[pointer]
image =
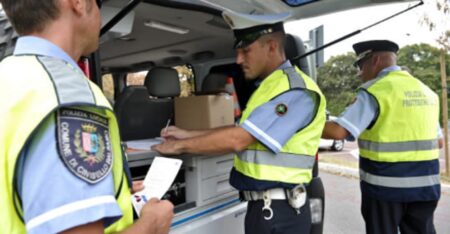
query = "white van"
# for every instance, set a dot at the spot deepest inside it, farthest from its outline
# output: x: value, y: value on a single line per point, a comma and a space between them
x: 144, y: 39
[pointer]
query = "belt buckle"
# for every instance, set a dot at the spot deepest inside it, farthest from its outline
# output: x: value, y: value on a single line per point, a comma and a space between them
x: 252, y: 195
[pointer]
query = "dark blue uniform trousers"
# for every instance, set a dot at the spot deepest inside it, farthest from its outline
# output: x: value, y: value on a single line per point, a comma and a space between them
x: 285, y: 219
x: 384, y: 217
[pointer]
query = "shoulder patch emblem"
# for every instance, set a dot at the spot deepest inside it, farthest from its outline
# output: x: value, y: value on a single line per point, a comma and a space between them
x: 84, y: 144
x: 281, y: 109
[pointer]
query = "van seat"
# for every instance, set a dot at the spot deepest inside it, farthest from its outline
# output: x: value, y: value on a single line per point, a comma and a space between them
x: 214, y: 83
x: 293, y: 48
x: 142, y: 111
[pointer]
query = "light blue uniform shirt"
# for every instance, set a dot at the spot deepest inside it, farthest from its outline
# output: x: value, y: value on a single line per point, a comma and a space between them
x: 53, y: 198
x: 358, y: 116
x: 274, y: 131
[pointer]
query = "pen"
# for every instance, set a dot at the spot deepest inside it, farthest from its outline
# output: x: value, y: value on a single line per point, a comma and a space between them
x: 167, y: 125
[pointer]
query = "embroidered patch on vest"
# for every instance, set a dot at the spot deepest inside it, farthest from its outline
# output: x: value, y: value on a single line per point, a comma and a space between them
x: 281, y: 109
x: 84, y: 144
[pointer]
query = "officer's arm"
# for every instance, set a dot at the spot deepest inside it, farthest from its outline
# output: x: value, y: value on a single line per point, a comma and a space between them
x: 223, y: 140
x: 90, y: 228
x: 156, y: 217
x: 354, y: 120
x: 440, y: 136
x: 333, y: 130
x: 97, y: 228
x: 218, y: 141
x: 441, y: 143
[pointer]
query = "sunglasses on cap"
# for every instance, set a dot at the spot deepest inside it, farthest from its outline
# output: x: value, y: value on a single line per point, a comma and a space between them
x: 358, y: 64
x: 99, y: 3
x: 247, y: 39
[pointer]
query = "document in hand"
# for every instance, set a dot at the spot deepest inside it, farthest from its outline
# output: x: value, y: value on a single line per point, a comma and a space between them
x: 158, y: 180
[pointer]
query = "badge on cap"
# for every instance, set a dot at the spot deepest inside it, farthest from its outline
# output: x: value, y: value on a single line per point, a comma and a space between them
x: 84, y: 144
x: 281, y: 109
x: 247, y: 28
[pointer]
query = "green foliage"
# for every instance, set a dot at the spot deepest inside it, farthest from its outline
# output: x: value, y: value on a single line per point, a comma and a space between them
x: 422, y: 60
x: 338, y: 81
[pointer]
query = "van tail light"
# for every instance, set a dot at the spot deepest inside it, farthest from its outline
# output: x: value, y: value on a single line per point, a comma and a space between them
x: 317, y: 156
x: 83, y: 63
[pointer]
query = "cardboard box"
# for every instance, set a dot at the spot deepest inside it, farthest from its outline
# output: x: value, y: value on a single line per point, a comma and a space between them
x: 204, y: 111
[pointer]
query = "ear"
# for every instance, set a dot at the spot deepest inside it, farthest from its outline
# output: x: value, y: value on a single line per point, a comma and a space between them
x: 77, y: 6
x: 377, y: 60
x: 273, y: 45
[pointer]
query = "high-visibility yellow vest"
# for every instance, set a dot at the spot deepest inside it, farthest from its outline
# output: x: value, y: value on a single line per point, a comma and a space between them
x: 294, y: 163
x: 404, y: 131
x: 32, y: 88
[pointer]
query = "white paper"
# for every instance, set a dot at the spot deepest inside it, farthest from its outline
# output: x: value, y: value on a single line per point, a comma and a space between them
x: 144, y: 144
x: 157, y: 182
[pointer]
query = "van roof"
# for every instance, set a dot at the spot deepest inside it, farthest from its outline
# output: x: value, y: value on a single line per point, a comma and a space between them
x: 173, y: 32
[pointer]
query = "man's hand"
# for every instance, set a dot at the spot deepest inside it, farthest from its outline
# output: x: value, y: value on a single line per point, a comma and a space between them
x: 168, y: 147
x: 173, y: 132
x: 158, y: 213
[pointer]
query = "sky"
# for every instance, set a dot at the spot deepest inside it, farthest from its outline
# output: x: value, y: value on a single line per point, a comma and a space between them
x: 403, y: 29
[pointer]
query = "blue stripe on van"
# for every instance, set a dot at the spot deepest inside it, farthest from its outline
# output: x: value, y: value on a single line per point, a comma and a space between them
x: 200, y: 214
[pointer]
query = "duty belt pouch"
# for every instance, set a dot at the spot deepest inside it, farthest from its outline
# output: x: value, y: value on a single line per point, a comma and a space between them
x: 297, y: 197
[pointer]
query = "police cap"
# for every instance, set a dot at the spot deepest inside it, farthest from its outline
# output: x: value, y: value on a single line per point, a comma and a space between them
x: 248, y: 28
x: 365, y: 48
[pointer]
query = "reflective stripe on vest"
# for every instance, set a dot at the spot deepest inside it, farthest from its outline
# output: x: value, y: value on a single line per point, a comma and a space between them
x: 279, y: 159
x: 294, y: 163
x: 51, y: 83
x: 295, y: 81
x: 401, y: 131
x: 398, y: 146
x: 73, y: 88
x: 399, y: 182
x: 70, y: 87
x: 401, y: 139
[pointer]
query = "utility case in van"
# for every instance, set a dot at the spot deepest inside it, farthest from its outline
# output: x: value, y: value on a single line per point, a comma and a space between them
x: 204, y: 111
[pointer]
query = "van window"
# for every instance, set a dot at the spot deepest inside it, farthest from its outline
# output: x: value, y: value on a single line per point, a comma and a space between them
x: 136, y: 78
x: 185, y: 74
x: 108, y: 86
x: 187, y: 81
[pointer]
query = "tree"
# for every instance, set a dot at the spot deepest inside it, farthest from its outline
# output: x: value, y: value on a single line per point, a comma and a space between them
x: 338, y: 81
x: 437, y: 19
x: 422, y: 60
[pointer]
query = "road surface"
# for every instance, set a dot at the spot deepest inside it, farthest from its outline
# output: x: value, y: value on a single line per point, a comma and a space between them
x: 343, y: 198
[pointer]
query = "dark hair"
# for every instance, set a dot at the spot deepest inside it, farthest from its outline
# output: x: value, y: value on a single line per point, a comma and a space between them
x: 279, y: 37
x: 28, y: 16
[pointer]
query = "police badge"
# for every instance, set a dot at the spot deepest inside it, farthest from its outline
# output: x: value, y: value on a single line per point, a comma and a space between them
x: 281, y: 109
x: 84, y: 144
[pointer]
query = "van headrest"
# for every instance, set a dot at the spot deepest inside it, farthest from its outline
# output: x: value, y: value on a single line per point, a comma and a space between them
x: 293, y: 48
x: 162, y: 82
x: 214, y: 83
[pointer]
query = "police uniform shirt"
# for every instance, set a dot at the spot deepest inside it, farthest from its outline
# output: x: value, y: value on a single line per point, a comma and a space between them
x: 358, y: 116
x: 53, y: 198
x: 273, y: 130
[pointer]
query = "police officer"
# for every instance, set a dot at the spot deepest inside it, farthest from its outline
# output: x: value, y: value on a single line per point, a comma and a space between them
x: 278, y: 135
x: 394, y: 119
x: 60, y: 155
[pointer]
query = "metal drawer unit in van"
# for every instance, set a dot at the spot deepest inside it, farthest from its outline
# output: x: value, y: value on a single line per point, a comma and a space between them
x: 207, y: 178
x: 201, y: 193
